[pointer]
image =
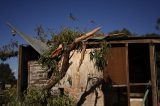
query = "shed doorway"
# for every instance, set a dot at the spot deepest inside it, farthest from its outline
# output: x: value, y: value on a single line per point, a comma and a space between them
x: 139, y: 73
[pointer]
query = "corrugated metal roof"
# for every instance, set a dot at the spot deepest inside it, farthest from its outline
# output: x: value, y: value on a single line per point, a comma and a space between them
x: 39, y: 46
x: 117, y: 38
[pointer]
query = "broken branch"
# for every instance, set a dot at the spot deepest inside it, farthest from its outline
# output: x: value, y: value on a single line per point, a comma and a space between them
x: 82, y: 57
x: 77, y: 40
x: 57, y: 51
x: 87, y: 35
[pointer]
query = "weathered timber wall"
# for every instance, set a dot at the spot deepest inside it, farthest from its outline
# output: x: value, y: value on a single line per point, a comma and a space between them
x: 84, y: 84
x: 37, y: 76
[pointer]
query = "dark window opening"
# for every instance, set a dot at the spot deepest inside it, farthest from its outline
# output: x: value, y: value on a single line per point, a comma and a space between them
x: 139, y: 63
x: 157, y: 56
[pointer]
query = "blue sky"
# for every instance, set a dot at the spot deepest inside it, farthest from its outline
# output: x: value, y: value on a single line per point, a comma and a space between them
x: 139, y: 16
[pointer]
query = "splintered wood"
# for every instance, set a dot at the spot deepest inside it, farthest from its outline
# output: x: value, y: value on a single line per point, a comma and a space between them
x: 77, y: 40
x: 82, y: 57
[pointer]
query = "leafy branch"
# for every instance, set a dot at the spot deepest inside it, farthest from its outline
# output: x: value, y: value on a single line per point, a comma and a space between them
x: 8, y: 50
x: 99, y: 56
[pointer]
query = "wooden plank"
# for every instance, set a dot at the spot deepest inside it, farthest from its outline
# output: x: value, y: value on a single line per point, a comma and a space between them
x: 127, y: 73
x: 118, y: 86
x: 127, y: 41
x: 136, y: 95
x: 153, y: 75
x: 19, y: 81
x: 136, y: 41
x: 140, y: 84
x: 116, y: 65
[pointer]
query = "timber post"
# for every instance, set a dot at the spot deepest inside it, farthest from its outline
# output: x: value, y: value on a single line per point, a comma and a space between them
x: 127, y: 74
x: 153, y: 75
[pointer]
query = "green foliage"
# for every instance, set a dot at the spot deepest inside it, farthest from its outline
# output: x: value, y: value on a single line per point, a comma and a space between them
x: 9, y: 97
x: 8, y: 50
x: 65, y: 36
x: 12, y: 98
x: 5, y: 55
x: 35, y: 97
x: 6, y: 74
x: 50, y: 63
x: 64, y: 100
x: 99, y: 56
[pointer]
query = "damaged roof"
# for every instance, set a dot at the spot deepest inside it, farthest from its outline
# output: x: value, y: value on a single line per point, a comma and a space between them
x: 125, y: 39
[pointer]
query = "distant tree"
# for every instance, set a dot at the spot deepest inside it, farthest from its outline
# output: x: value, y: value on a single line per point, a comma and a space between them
x: 152, y: 35
x: 72, y: 17
x: 158, y: 24
x: 123, y: 32
x: 6, y: 74
x: 41, y: 34
x: 92, y: 21
x: 8, y: 50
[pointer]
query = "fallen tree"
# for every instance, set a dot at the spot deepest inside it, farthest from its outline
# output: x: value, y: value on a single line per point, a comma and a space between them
x: 64, y: 42
x: 65, y: 52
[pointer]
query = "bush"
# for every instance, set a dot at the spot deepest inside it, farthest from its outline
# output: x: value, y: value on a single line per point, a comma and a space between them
x: 9, y: 97
x: 35, y: 97
x: 64, y: 100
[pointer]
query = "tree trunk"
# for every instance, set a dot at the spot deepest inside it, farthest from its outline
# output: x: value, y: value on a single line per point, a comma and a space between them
x: 65, y: 65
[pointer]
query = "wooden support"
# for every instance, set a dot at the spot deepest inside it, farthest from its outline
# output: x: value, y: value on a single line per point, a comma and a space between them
x: 19, y: 81
x: 127, y: 74
x: 153, y: 75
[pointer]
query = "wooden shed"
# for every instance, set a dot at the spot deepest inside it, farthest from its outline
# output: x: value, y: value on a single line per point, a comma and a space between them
x: 132, y: 71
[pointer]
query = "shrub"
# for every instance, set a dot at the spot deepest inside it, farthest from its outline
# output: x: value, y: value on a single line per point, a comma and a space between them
x: 35, y: 97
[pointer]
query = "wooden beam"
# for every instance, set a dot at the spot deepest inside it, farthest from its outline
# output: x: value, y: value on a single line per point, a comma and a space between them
x: 136, y: 95
x: 140, y: 84
x: 118, y: 86
x: 139, y: 41
x: 127, y: 74
x: 19, y: 81
x: 153, y: 75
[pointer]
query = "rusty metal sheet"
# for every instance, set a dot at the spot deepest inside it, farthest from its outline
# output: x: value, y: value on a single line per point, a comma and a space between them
x: 116, y: 68
x: 39, y: 46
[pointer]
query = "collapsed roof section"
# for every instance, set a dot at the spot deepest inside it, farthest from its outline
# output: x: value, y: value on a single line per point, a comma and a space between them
x: 39, y: 46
